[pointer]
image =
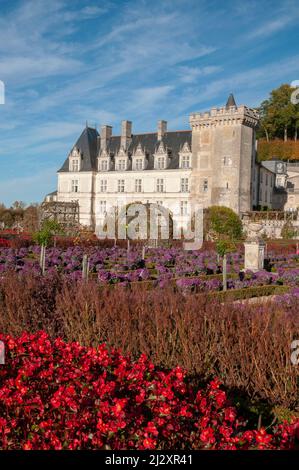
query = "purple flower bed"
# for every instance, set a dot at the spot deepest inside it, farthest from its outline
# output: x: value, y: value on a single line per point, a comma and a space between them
x: 117, y: 266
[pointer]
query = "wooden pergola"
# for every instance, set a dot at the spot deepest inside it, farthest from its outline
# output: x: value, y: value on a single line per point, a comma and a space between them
x: 65, y: 213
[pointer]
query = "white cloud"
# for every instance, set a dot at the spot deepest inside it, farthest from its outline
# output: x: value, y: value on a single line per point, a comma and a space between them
x: 270, y: 27
x: 192, y: 74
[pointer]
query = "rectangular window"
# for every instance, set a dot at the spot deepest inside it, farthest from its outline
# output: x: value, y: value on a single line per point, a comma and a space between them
x: 261, y: 176
x: 103, y: 186
x: 184, y: 207
x: 186, y: 161
x: 160, y: 185
x: 103, y: 206
x: 104, y: 165
x: 226, y: 161
x: 138, y: 186
x: 184, y: 185
x: 205, y: 186
x: 266, y: 180
x: 75, y: 165
x: 161, y: 163
x: 121, y: 186
x: 121, y: 165
x: 75, y: 186
x: 138, y: 164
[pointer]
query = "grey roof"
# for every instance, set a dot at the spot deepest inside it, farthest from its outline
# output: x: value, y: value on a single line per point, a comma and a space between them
x: 88, y: 144
x: 230, y: 101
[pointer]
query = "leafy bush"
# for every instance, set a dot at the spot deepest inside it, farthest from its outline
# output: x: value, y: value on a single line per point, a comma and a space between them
x: 223, y: 222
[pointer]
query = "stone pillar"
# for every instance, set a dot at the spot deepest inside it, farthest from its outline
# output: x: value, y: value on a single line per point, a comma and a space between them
x: 254, y: 254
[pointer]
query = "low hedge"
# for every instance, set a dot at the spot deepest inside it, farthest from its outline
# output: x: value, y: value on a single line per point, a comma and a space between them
x: 248, y: 293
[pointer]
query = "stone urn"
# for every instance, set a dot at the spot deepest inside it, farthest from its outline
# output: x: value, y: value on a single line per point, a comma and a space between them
x: 254, y: 230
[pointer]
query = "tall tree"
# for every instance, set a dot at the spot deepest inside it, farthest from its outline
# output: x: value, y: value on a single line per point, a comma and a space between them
x: 279, y: 116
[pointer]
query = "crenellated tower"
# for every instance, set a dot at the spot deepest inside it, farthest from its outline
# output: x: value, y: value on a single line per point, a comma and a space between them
x: 223, y: 152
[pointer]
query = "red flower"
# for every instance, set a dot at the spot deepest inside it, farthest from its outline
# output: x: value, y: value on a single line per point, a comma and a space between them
x: 207, y: 436
x: 149, y: 443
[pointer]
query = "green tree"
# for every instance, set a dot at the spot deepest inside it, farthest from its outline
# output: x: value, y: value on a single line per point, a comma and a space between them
x: 222, y: 222
x: 279, y: 116
x: 224, y: 226
x: 45, y: 235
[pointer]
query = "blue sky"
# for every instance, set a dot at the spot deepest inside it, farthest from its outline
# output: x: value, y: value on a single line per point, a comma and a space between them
x: 65, y: 62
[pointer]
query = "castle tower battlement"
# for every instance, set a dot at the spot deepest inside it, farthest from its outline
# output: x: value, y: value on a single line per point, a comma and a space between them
x: 223, y: 152
x: 224, y: 116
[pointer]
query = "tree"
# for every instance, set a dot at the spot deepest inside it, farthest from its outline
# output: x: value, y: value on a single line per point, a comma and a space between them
x: 18, y: 205
x: 279, y: 116
x: 49, y: 229
x: 31, y: 218
x: 220, y: 221
x: 224, y: 226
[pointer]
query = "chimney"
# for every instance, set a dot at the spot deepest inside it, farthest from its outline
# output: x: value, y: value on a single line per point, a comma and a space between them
x: 162, y: 129
x: 126, y: 134
x: 106, y: 133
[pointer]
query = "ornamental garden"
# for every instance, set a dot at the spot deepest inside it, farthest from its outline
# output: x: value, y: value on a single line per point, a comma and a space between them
x: 110, y: 345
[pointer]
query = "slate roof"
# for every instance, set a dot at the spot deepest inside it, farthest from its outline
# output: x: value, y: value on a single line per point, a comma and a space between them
x: 230, y: 101
x: 89, y: 145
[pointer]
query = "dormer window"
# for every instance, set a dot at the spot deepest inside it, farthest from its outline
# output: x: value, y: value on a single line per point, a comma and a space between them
x: 121, y: 160
x: 74, y: 160
x: 103, y: 165
x: 186, y: 161
x: 75, y: 165
x: 121, y: 164
x: 185, y: 156
x: 104, y: 160
x: 139, y: 164
x: 138, y: 158
x: 161, y: 157
x: 161, y: 163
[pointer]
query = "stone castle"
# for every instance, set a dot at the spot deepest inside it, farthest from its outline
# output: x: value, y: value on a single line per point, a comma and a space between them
x: 214, y: 163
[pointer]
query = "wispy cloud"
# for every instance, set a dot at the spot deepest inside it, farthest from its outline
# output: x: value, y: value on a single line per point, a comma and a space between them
x: 67, y: 62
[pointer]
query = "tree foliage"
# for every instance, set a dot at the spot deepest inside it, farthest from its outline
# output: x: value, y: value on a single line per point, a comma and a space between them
x: 223, y: 223
x: 20, y: 216
x: 49, y: 229
x: 279, y: 116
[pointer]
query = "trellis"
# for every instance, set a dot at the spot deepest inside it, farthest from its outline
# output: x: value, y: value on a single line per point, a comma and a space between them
x: 65, y: 213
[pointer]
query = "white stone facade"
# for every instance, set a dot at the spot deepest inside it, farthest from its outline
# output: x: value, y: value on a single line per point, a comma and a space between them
x: 212, y: 164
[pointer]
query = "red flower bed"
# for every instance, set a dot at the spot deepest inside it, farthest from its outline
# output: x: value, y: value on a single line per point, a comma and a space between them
x: 57, y: 395
x: 4, y: 243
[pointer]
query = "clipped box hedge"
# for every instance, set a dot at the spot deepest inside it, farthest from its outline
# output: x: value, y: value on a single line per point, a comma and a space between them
x: 248, y: 293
